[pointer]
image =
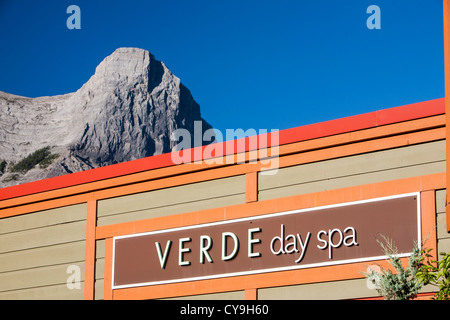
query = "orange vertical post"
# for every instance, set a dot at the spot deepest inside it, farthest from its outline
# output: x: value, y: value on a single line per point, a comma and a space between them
x: 251, y: 187
x: 428, y: 221
x: 251, y: 294
x: 446, y: 10
x: 89, y: 264
x: 107, y: 285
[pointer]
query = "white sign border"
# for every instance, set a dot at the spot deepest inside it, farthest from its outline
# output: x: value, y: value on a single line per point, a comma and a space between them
x: 233, y: 274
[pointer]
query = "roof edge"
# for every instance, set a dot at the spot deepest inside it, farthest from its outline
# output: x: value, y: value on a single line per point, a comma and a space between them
x: 287, y: 136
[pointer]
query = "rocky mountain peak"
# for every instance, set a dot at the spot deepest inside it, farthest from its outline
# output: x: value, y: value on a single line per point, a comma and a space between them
x: 127, y: 110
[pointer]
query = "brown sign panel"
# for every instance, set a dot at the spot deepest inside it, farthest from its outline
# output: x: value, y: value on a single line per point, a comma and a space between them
x: 267, y: 243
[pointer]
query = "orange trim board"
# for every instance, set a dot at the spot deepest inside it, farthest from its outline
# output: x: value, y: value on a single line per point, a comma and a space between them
x: 425, y: 125
x: 251, y: 187
x: 446, y: 29
x: 107, y: 281
x: 125, y: 186
x: 281, y: 278
x: 250, y: 282
x: 323, y: 198
x: 308, y: 132
x: 89, y: 263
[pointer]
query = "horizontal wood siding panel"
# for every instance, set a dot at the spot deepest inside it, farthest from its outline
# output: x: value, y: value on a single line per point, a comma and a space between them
x: 43, y: 256
x: 43, y: 218
x: 443, y: 236
x: 440, y: 201
x: 443, y: 246
x: 42, y: 237
x: 441, y: 219
x: 232, y: 295
x: 56, y: 292
x: 350, y: 181
x: 100, y: 249
x: 334, y: 290
x: 410, y: 161
x: 99, y: 289
x: 37, y: 248
x: 173, y: 209
x: 352, y: 165
x: 99, y: 269
x: 197, y: 196
x: 37, y: 277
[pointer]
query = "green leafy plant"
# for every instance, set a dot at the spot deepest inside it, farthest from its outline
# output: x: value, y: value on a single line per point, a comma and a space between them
x: 401, y: 284
x: 436, y: 273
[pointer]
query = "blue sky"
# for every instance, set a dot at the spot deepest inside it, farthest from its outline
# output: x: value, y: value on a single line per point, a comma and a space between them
x: 249, y: 64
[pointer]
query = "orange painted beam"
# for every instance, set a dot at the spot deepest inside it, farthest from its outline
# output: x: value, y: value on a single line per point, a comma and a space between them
x: 89, y: 264
x: 43, y: 203
x: 329, y: 197
x: 251, y: 187
x: 422, y: 124
x: 363, y: 121
x: 431, y: 128
x: 426, y: 184
x: 363, y: 147
x: 314, y: 131
x: 107, y: 280
x: 446, y: 11
x: 428, y: 220
x: 251, y: 294
x: 250, y: 283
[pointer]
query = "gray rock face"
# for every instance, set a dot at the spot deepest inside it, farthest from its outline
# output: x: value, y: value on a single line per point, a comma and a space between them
x: 127, y: 110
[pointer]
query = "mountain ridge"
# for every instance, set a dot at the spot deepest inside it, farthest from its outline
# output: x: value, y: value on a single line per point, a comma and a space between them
x: 126, y: 110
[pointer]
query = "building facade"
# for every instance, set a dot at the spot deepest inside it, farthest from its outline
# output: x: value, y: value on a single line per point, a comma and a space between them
x: 294, y: 219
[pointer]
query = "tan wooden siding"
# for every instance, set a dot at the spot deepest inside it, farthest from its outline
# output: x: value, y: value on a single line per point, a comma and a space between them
x: 99, y: 269
x: 232, y: 295
x: 334, y: 290
x: 352, y: 289
x: 36, y: 250
x: 180, y: 199
x: 392, y: 164
x: 56, y: 292
x: 442, y: 235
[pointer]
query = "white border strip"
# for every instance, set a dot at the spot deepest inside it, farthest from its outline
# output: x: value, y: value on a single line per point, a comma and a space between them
x: 312, y: 265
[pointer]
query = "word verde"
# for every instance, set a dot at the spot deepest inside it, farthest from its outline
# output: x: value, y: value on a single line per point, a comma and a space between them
x: 283, y: 243
x: 205, y: 245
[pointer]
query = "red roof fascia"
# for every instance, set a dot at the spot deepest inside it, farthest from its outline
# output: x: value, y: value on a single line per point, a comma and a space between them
x: 307, y: 132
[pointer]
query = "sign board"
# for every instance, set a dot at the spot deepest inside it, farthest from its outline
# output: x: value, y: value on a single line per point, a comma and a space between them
x: 306, y: 238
